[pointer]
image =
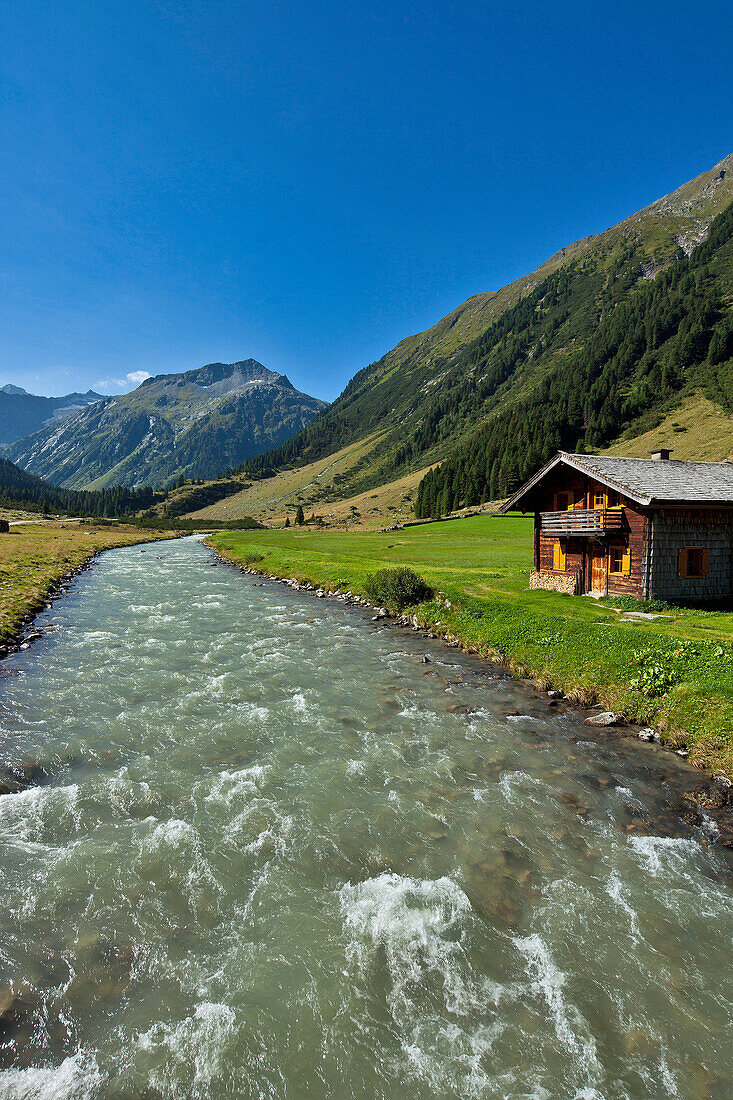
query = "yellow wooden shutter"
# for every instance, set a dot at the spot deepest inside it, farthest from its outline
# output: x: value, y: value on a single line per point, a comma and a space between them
x: 626, y: 562
x: 705, y: 563
x: 682, y: 562
x: 556, y: 556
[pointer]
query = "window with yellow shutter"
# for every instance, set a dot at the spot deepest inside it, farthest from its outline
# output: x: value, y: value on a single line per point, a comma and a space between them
x: 619, y: 560
x: 558, y: 557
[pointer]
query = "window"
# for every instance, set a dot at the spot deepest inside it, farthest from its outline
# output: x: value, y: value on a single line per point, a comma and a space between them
x: 614, y: 500
x: 559, y: 557
x: 599, y: 500
x: 619, y: 560
x: 563, y: 502
x: 693, y: 562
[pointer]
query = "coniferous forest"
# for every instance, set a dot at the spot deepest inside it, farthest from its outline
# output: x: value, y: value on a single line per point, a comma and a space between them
x: 19, y: 489
x: 651, y: 342
x: 607, y: 343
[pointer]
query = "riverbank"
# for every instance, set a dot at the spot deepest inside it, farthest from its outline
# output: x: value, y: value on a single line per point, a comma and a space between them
x: 672, y: 670
x: 38, y: 559
x: 259, y: 812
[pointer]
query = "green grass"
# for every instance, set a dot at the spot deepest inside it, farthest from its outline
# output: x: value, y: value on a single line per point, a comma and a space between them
x: 674, y: 672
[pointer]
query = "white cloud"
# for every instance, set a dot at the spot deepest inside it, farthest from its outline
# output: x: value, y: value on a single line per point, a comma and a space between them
x: 109, y: 385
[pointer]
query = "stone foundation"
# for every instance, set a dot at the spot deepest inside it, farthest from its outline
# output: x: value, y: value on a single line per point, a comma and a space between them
x: 555, y: 582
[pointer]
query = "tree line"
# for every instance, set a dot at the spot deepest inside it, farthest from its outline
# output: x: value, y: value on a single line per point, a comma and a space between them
x: 19, y: 489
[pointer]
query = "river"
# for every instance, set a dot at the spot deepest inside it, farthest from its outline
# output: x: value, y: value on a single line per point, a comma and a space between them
x: 279, y: 855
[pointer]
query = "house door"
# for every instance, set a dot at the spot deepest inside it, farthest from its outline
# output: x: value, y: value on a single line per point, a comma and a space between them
x: 598, y: 567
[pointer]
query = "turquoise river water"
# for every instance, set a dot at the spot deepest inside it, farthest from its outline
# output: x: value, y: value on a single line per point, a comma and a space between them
x: 278, y: 855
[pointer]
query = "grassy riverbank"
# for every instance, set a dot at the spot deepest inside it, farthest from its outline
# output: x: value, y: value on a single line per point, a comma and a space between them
x: 674, y: 672
x: 35, y: 556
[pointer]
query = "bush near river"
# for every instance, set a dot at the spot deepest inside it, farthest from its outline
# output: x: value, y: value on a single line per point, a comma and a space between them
x: 674, y: 672
x: 397, y: 588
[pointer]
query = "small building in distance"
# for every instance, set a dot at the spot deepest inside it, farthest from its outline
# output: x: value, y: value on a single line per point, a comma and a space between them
x: 652, y: 528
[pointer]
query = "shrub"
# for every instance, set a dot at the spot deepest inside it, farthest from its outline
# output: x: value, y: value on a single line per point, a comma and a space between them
x: 655, y: 672
x: 397, y: 587
x: 251, y: 557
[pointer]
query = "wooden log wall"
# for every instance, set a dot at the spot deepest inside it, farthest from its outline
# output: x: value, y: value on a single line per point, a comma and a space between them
x: 578, y: 550
x: 636, y: 541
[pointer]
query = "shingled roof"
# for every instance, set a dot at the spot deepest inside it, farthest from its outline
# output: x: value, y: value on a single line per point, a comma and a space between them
x: 645, y: 480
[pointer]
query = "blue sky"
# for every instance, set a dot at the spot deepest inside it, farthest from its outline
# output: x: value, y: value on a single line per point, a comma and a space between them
x: 307, y: 183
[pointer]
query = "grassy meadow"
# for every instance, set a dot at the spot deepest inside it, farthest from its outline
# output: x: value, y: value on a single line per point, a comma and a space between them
x: 319, y: 487
x: 674, y: 672
x: 35, y: 555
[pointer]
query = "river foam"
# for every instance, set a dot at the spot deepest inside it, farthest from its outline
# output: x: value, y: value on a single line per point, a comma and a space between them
x: 277, y: 855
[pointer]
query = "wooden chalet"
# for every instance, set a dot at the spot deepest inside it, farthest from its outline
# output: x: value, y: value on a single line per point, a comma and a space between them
x: 650, y: 528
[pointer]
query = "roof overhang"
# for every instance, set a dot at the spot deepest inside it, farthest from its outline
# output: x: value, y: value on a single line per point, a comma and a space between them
x: 575, y: 462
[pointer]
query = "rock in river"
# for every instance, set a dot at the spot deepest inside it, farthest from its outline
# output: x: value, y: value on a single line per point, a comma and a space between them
x: 605, y: 718
x: 21, y: 776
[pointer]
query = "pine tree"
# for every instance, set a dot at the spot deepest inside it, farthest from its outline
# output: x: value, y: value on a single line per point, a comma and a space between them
x: 299, y: 517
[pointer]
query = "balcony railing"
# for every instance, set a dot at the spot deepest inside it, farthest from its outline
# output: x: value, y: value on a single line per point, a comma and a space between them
x: 582, y: 521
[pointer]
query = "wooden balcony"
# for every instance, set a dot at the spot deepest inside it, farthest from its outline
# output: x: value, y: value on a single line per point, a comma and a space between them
x: 581, y: 522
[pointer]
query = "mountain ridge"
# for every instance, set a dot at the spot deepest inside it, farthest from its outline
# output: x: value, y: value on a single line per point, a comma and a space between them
x: 426, y: 397
x: 194, y: 423
x: 22, y: 413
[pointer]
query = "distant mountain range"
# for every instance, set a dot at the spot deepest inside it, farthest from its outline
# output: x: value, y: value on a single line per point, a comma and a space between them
x: 22, y: 413
x: 194, y: 424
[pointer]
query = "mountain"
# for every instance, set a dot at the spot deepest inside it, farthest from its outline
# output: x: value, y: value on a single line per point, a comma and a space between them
x: 619, y: 368
x: 610, y: 333
x: 22, y: 413
x: 194, y: 424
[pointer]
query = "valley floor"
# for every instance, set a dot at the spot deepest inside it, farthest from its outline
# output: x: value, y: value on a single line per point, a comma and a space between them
x: 37, y: 554
x: 674, y: 672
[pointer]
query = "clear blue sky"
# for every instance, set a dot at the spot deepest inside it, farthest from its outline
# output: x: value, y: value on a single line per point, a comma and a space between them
x: 308, y: 182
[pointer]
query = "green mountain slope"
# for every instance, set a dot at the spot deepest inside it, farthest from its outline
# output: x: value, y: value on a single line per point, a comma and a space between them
x: 428, y: 396
x: 19, y: 489
x: 194, y: 424
x: 594, y: 365
x: 22, y: 413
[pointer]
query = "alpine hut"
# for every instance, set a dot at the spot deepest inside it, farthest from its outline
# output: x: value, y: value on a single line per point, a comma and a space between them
x: 650, y: 528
